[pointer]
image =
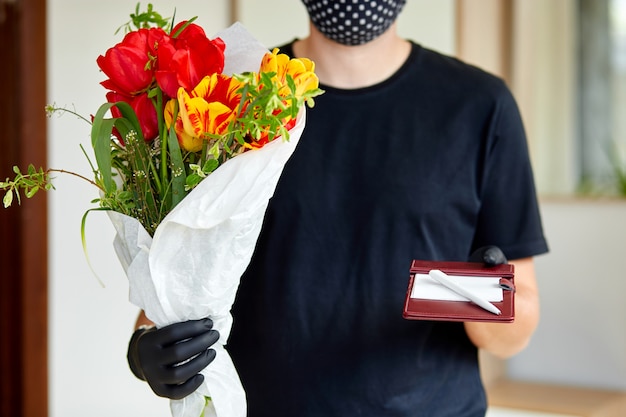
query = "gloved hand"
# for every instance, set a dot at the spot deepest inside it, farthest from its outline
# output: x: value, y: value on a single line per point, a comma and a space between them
x: 490, y: 255
x: 156, y: 356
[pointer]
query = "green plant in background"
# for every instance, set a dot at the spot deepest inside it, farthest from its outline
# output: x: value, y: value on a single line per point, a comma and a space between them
x: 618, y: 164
x: 613, y: 180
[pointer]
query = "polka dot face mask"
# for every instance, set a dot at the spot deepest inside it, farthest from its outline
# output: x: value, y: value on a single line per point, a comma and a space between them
x: 353, y: 22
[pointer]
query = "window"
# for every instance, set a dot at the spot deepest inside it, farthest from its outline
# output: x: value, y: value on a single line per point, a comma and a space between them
x: 602, y: 92
x: 618, y: 65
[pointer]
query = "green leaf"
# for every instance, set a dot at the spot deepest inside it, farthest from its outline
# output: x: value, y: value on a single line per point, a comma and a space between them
x: 210, y: 165
x: 193, y: 180
x: 129, y: 114
x: 101, y: 138
x: 183, y: 27
x: 83, y: 240
x: 27, y: 182
x: 215, y: 150
x: 8, y: 198
x: 30, y: 192
x: 178, y: 168
x: 101, y: 141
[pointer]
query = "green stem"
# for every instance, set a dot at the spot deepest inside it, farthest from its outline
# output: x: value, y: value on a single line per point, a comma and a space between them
x: 62, y: 171
x: 203, y: 154
x: 52, y: 109
x: 163, y: 135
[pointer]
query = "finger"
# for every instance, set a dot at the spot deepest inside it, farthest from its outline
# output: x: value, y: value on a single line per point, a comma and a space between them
x: 186, y: 349
x: 180, y: 331
x: 180, y: 373
x: 179, y: 391
x: 494, y: 256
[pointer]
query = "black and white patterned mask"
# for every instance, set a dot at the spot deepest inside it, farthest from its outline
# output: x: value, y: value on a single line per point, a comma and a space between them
x: 353, y: 22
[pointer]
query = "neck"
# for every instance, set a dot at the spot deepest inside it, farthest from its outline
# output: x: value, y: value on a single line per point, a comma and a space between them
x: 350, y: 67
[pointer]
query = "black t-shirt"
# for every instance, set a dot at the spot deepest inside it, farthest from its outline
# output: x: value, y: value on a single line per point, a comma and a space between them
x: 429, y: 164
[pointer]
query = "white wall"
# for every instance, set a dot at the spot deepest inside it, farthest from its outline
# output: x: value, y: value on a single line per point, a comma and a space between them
x: 430, y: 23
x: 581, y: 339
x: 90, y: 325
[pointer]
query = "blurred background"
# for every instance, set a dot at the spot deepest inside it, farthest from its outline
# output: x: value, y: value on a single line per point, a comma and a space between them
x: 63, y: 334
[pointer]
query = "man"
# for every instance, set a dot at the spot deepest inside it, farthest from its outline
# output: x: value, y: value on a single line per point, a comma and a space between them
x: 408, y: 155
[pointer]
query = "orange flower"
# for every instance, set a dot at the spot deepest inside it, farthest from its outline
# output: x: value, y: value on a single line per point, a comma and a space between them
x: 205, y: 112
x: 302, y: 70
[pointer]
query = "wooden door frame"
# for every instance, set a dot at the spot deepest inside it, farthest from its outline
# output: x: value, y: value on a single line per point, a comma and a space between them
x: 23, y: 229
x: 484, y: 34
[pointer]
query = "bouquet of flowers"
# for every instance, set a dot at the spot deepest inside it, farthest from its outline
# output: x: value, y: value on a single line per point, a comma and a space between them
x: 188, y: 150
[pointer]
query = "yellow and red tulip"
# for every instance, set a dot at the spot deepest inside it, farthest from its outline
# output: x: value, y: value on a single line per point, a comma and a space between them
x: 204, y: 112
x: 302, y: 70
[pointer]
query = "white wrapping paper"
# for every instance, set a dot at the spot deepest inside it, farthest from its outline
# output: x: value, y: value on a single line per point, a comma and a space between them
x: 192, y: 266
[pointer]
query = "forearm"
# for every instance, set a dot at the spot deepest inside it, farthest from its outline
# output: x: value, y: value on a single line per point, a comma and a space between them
x: 507, y: 339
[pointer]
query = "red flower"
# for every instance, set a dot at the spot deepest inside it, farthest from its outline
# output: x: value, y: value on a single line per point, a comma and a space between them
x: 145, y: 110
x: 185, y: 60
x: 130, y: 64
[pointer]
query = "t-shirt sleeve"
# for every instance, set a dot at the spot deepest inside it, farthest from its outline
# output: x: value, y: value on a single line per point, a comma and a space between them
x: 509, y: 215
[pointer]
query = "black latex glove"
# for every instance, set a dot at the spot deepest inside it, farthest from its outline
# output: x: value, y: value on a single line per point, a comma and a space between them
x: 154, y: 355
x: 489, y: 255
